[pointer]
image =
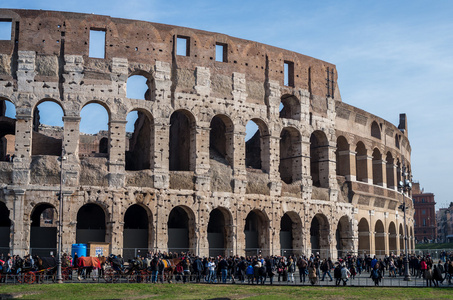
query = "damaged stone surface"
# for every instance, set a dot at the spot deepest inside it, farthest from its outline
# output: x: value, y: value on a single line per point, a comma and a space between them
x: 313, y: 175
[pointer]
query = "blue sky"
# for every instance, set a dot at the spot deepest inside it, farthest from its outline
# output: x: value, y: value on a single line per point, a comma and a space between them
x: 391, y: 56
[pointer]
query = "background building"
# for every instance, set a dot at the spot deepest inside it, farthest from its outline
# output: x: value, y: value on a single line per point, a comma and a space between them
x: 444, y: 217
x: 425, y: 215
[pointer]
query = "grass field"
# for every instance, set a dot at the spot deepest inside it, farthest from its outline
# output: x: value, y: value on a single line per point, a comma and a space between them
x: 204, y: 291
x: 433, y: 246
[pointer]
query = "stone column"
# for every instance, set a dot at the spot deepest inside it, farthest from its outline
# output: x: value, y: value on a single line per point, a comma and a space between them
x: 239, y: 168
x: 391, y: 169
x: 347, y: 158
x: 25, y: 71
x: 380, y: 175
x: 20, y: 239
x: 115, y: 226
x: 202, y: 164
x: 21, y: 165
x: 117, y: 153
x: 161, y: 153
x: 372, y: 234
x: 71, y: 165
x: 273, y: 156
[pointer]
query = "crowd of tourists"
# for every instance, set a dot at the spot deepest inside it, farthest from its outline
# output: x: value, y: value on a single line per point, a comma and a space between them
x: 261, y: 270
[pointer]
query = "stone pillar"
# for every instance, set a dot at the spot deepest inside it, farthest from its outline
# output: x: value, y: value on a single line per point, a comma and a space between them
x: 202, y: 164
x: 71, y: 165
x: 273, y: 156
x: 117, y: 153
x: 391, y: 169
x: 369, y: 167
x: 20, y: 239
x: 161, y: 153
x: 331, y: 166
x: 161, y: 221
x: 25, y: 71
x: 372, y: 234
x: 239, y: 170
x: 347, y: 157
x: 115, y: 226
x: 21, y: 165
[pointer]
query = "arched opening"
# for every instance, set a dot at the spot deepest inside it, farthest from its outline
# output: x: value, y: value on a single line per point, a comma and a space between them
x: 375, y: 130
x: 139, y: 141
x: 401, y: 234
x: 390, y: 171
x: 379, y: 238
x: 291, y: 234
x: 257, y: 145
x: 364, y: 237
x: 182, y: 141
x: 361, y: 162
x: 397, y: 141
x: 342, y: 156
x: 43, y: 230
x: 221, y: 139
x: 256, y: 233
x: 220, y: 232
x: 398, y: 171
x: 344, y: 237
x: 290, y: 107
x: 319, y: 235
x: 5, y: 228
x: 181, y: 230
x: 377, y: 167
x: 47, y: 132
x: 392, y: 239
x: 140, y: 86
x: 290, y: 167
x: 319, y: 159
x: 93, y: 129
x: 7, y: 130
x: 137, y: 231
x: 90, y: 224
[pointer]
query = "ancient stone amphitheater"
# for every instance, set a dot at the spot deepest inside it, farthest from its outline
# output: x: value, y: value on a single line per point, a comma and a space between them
x: 318, y: 176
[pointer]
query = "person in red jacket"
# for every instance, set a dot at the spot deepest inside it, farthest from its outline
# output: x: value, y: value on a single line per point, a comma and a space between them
x: 423, y: 267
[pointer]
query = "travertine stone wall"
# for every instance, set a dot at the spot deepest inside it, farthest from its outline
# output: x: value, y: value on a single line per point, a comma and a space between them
x: 47, y: 59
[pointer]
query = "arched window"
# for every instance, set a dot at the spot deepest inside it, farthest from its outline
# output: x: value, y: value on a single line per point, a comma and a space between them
x: 375, y: 130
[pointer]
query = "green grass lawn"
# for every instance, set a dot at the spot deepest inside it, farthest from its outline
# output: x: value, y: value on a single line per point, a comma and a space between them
x: 434, y: 246
x: 205, y: 291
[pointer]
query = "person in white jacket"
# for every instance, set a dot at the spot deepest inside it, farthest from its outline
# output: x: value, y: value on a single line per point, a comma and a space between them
x: 345, y: 274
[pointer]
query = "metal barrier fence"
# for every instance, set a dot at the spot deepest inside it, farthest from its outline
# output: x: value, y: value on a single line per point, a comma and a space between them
x: 362, y: 280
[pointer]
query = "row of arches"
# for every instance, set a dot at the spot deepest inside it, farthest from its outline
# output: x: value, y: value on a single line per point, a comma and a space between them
x: 385, y: 241
x: 362, y: 164
x: 139, y: 149
x: 182, y: 234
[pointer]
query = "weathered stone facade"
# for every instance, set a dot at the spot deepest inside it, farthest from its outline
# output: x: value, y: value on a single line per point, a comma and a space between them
x: 319, y: 171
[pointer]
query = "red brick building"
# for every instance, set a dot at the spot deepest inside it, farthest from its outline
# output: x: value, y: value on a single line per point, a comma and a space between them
x: 425, y: 227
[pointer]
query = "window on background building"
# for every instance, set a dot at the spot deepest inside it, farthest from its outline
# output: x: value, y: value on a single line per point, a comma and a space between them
x: 424, y: 222
x: 423, y: 212
x: 423, y: 200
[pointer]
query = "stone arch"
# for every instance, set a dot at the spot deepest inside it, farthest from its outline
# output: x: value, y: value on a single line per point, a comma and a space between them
x: 320, y: 235
x: 390, y: 171
x: 43, y: 229
x: 379, y: 238
x: 220, y: 232
x: 344, y: 236
x: 375, y: 130
x: 392, y: 238
x: 138, y: 230
x: 290, y: 167
x: 377, y: 167
x: 7, y: 130
x: 182, y: 141
x: 5, y: 228
x: 181, y: 230
x: 361, y: 163
x: 291, y: 242
x: 91, y: 224
x: 291, y: 107
x: 90, y: 142
x: 256, y: 232
x: 221, y: 138
x: 47, y: 140
x: 319, y: 159
x: 133, y: 81
x: 342, y: 157
x: 140, y: 145
x: 364, y: 237
x: 257, y: 153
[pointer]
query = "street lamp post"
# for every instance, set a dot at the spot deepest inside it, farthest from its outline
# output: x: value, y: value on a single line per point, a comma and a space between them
x: 60, y: 219
x: 404, y: 186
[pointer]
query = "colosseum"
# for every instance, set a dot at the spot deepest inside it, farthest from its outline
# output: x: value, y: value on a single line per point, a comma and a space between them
x: 318, y: 175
